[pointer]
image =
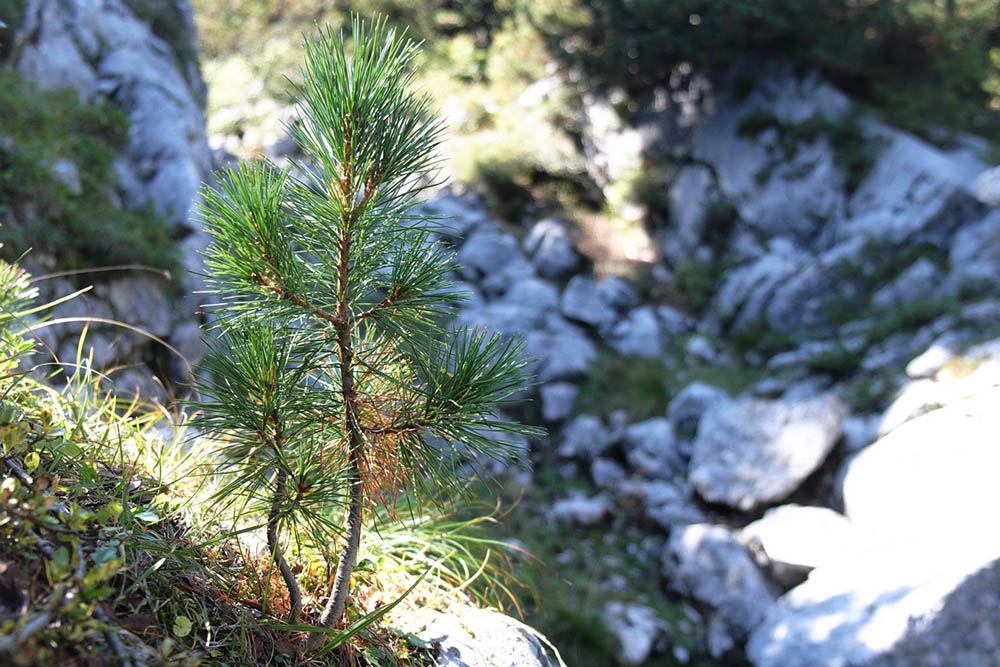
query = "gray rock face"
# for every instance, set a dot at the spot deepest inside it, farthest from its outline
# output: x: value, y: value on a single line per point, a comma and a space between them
x: 881, y: 608
x: 690, y: 195
x: 797, y: 197
x: 584, y: 437
x: 106, y: 52
x: 482, y: 638
x: 708, y: 563
x: 919, y: 281
x: 551, y: 249
x: 915, y: 192
x: 964, y: 633
x: 638, y: 335
x: 694, y: 400
x: 651, y: 449
x: 582, y: 302
x: 750, y: 453
x: 139, y: 301
x: 579, y: 509
x: 637, y: 628
x: 804, y: 537
x: 975, y: 254
x: 557, y: 400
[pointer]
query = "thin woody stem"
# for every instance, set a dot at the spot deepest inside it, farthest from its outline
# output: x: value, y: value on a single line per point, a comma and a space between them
x: 345, y: 331
x: 273, y: 519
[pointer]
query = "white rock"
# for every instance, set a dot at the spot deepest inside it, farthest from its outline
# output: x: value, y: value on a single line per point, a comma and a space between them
x: 638, y: 629
x: 481, y: 638
x: 584, y: 437
x: 579, y: 509
x: 651, y: 449
x: 750, y: 453
x: 988, y: 187
x: 557, y: 400
x: 708, y: 563
x: 638, y: 335
x: 806, y: 537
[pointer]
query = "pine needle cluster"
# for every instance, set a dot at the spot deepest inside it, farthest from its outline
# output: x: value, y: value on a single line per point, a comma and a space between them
x: 332, y: 382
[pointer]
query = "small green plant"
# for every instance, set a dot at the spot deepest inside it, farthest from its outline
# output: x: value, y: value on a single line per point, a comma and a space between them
x: 329, y: 383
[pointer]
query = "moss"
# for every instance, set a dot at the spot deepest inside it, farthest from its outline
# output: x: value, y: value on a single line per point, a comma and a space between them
x: 698, y: 280
x: 619, y: 383
x: 41, y: 212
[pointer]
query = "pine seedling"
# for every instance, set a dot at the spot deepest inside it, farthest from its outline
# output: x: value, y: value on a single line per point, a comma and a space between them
x: 330, y: 381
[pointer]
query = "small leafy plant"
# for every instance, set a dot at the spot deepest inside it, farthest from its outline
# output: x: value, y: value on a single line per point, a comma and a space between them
x: 331, y: 382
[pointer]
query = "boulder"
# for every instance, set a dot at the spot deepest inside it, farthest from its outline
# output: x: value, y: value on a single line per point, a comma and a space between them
x: 582, y: 302
x: 607, y: 473
x: 886, y: 607
x: 691, y: 402
x: 651, y: 449
x: 482, y: 638
x: 551, y: 249
x: 802, y: 537
x: 750, y: 452
x: 557, y: 400
x: 579, y: 509
x: 707, y: 563
x: 638, y: 629
x: 669, y: 503
x: 638, y: 335
x: 584, y: 437
x: 487, y: 253
x: 934, y: 476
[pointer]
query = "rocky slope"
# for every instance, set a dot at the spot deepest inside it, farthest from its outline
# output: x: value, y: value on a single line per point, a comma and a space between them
x: 833, y: 511
x: 814, y: 480
x: 142, y: 58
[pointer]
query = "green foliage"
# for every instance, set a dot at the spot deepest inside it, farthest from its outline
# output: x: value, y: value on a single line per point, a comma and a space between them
x: 111, y: 551
x: 41, y: 127
x: 328, y: 380
x: 698, y: 280
x: 924, y: 62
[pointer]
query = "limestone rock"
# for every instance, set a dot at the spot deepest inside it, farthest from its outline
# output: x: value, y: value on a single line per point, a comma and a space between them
x: 637, y: 627
x: 751, y: 453
x: 708, y: 564
x: 584, y: 437
x: 483, y: 638
x: 651, y: 449
x: 691, y: 402
x: 638, y: 335
x: 557, y: 400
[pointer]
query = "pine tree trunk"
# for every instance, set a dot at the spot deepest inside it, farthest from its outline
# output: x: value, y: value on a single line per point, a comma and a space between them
x: 294, y: 595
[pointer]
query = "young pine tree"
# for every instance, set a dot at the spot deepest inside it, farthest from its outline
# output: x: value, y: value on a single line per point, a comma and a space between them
x: 330, y: 380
